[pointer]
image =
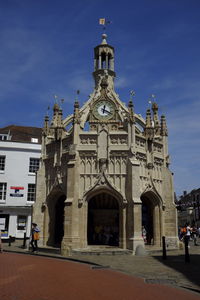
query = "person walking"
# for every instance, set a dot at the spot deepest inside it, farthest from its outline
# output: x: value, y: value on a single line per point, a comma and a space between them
x: 194, y: 235
x: 34, y: 237
x: 188, y: 233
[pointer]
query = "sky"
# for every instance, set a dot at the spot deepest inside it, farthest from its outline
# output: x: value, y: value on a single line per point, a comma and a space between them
x: 47, y: 49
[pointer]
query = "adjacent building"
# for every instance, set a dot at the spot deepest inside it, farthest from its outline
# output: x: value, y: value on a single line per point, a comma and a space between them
x: 105, y: 171
x: 188, y: 207
x: 20, y: 151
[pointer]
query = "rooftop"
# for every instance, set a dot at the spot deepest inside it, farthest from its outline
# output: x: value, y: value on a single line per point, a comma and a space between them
x: 22, y: 134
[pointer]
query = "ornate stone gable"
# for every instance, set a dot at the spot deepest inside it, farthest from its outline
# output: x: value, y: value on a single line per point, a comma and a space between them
x: 105, y: 166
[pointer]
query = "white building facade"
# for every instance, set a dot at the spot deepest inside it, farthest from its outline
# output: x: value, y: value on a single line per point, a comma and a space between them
x: 20, y: 150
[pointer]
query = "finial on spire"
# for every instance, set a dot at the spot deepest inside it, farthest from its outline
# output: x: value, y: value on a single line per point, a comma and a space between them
x: 47, y: 113
x: 76, y: 103
x: 104, y: 36
x: 132, y: 94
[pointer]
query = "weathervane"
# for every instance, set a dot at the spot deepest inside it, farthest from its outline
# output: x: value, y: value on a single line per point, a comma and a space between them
x: 132, y: 94
x: 104, y: 22
x: 55, y: 97
x: 151, y: 98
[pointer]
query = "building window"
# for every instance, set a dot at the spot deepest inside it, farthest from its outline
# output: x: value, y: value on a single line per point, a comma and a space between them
x: 3, y: 137
x: 21, y: 223
x: 34, y: 165
x: 3, y: 189
x: 2, y: 163
x: 31, y: 192
x: 4, y: 224
x: 34, y: 140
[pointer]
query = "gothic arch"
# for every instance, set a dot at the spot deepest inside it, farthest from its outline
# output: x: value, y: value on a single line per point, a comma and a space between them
x: 104, y: 189
x: 151, y: 217
x: 55, y: 217
x: 103, y: 221
x: 105, y: 213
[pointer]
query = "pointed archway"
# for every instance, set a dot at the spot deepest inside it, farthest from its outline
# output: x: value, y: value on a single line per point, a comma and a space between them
x: 103, y: 220
x: 151, y: 218
x: 59, y: 221
x: 55, y: 204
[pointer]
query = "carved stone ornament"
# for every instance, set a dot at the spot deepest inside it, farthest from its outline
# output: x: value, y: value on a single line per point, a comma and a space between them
x: 104, y: 82
x: 150, y: 166
x: 102, y: 164
x: 43, y: 206
x: 80, y: 201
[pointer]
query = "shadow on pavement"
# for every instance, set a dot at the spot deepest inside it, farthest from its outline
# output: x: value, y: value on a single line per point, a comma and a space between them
x: 190, y: 270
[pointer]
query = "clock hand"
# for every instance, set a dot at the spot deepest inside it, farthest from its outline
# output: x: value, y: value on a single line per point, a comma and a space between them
x: 107, y: 111
x: 103, y: 109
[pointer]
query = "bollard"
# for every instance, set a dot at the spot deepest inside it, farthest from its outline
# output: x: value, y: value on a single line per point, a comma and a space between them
x: 187, y: 255
x: 164, y: 248
x: 9, y: 241
x: 24, y: 241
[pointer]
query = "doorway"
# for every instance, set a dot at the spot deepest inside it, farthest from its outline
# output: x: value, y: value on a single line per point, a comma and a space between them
x: 151, y: 223
x: 147, y: 220
x: 56, y: 205
x: 59, y: 220
x: 103, y: 220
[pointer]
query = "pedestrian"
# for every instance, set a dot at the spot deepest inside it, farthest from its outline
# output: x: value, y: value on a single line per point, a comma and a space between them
x: 34, y: 237
x: 1, y: 244
x: 144, y: 234
x: 198, y: 231
x: 183, y: 232
x: 187, y: 234
x: 194, y: 235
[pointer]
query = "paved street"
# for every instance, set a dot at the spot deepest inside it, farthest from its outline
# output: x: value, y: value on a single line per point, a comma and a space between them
x: 34, y: 277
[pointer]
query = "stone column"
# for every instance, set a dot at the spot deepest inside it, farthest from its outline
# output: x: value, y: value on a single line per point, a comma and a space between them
x: 100, y: 62
x: 71, y: 237
x: 137, y: 225
x: 122, y: 227
x: 46, y: 225
x: 37, y: 213
x: 156, y: 226
x: 66, y: 246
x: 106, y: 61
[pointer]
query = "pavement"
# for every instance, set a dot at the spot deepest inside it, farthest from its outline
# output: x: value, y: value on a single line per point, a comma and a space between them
x: 98, y: 276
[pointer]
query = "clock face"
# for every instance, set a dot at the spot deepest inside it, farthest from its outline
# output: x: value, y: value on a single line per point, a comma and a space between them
x: 104, y: 109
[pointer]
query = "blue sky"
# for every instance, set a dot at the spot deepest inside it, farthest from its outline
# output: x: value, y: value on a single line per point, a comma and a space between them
x: 47, y: 48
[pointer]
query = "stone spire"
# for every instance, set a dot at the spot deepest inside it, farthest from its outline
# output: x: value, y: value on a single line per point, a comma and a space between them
x: 46, y: 125
x: 131, y: 107
x: 76, y: 109
x: 164, y: 131
x: 57, y: 116
x: 155, y: 118
x: 149, y: 131
x: 148, y: 119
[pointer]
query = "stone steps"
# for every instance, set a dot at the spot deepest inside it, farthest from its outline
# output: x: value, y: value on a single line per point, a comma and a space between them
x: 101, y: 251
